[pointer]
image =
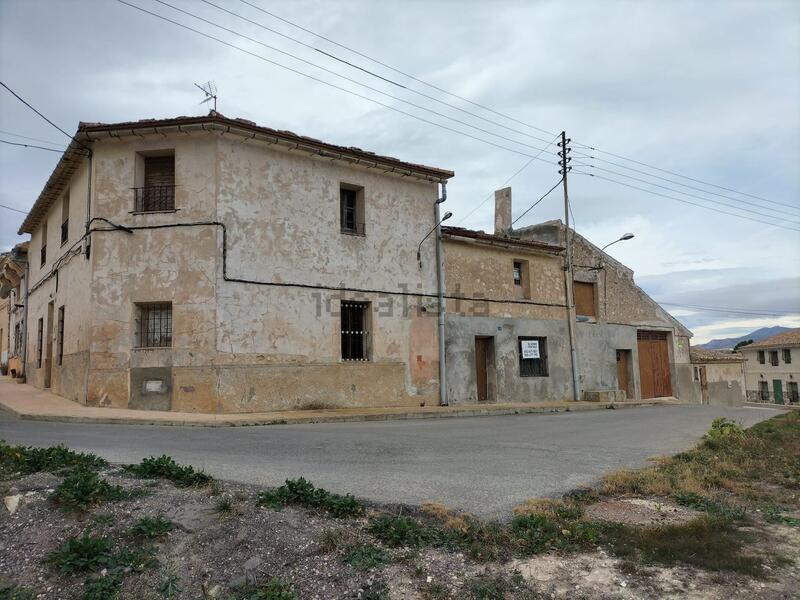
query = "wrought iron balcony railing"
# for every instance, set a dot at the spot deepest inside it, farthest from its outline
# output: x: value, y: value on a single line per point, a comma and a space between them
x: 154, y: 198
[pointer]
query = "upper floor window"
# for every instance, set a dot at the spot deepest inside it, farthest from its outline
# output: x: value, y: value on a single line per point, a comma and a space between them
x: 154, y: 325
x: 65, y: 219
x: 517, y: 273
x: 761, y: 359
x: 585, y: 304
x: 773, y: 358
x: 43, y: 250
x: 522, y: 286
x: 155, y: 189
x: 351, y: 209
x: 787, y: 356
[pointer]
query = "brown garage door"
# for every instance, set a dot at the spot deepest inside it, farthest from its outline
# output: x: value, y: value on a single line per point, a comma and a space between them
x: 654, y: 373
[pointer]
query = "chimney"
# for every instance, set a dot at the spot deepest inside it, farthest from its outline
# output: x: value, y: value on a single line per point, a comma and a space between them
x: 502, y: 211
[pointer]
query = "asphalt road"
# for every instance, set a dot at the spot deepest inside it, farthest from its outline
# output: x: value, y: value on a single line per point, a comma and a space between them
x: 486, y: 465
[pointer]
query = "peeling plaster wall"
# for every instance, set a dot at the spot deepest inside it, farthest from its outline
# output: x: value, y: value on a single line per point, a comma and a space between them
x: 71, y: 290
x: 726, y: 385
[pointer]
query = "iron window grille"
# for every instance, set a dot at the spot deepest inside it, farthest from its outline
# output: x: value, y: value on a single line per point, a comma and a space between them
x: 355, y: 335
x: 787, y: 356
x: 154, y: 325
x: 154, y: 198
x: 773, y: 358
x: 763, y: 391
x: 60, y: 336
x: 517, y: 273
x: 39, y: 340
x: 533, y: 367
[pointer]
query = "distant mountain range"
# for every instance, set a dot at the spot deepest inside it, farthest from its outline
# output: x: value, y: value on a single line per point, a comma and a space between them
x: 757, y: 335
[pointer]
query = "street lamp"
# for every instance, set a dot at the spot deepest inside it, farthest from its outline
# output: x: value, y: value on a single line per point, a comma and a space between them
x: 625, y: 237
x: 446, y: 216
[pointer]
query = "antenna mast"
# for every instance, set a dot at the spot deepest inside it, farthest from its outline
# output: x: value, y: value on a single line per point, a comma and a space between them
x: 209, y: 88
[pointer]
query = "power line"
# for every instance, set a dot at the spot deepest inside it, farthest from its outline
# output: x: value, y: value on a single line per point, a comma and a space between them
x: 735, y: 310
x: 493, y: 111
x: 24, y: 212
x: 635, y: 187
x: 31, y: 146
x: 546, y: 194
x: 18, y: 97
x: 769, y: 216
x: 329, y: 84
x: 507, y: 181
x: 25, y: 137
x: 339, y: 75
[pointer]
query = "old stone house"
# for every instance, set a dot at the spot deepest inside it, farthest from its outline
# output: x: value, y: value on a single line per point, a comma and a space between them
x: 12, y: 318
x: 772, y: 368
x: 627, y: 346
x: 719, y: 377
x: 210, y: 264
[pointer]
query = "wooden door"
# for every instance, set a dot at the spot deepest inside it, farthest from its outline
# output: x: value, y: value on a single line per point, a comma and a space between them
x: 654, y: 373
x: 48, y: 361
x: 777, y: 388
x: 623, y: 372
x: 481, y: 368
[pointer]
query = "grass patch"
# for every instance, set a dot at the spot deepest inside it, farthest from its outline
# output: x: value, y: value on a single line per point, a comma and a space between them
x: 82, y: 554
x: 151, y: 528
x: 102, y: 588
x: 330, y: 540
x: 400, y: 531
x: 82, y: 489
x: 712, y: 507
x: 14, y: 592
x: 303, y: 493
x: 274, y: 589
x: 366, y: 557
x: 706, y: 542
x: 27, y: 459
x: 164, y: 467
x: 537, y: 533
x: 377, y: 590
x: 223, y: 505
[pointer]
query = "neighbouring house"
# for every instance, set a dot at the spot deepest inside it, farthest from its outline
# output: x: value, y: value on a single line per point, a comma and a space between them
x: 12, y: 323
x: 4, y: 316
x: 772, y: 370
x: 209, y: 264
x: 719, y: 376
x: 627, y: 346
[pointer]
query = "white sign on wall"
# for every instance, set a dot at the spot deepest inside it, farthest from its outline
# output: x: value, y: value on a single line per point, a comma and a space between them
x: 530, y: 349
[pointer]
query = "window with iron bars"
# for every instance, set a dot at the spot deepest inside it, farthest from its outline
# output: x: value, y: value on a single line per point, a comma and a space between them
x: 60, y: 336
x: 158, y: 192
x: 773, y: 358
x: 533, y: 367
x: 154, y: 325
x: 355, y: 331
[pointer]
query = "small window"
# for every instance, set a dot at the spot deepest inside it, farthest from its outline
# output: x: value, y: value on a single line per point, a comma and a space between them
x: 60, y: 336
x: 351, y: 207
x: 761, y: 359
x: 355, y: 331
x: 158, y: 185
x: 773, y: 358
x: 584, y: 299
x: 763, y: 391
x: 18, y: 339
x: 696, y: 374
x: 517, y: 273
x: 794, y: 396
x: 787, y: 356
x: 532, y: 356
x: 65, y: 219
x: 39, y: 340
x: 43, y: 251
x: 154, y: 325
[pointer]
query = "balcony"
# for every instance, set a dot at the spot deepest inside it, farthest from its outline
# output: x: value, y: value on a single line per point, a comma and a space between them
x: 154, y: 198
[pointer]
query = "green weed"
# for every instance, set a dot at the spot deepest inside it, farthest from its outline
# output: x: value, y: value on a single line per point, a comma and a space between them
x: 164, y: 467
x: 366, y: 557
x: 400, y: 531
x: 82, y: 489
x: 82, y: 554
x: 713, y: 507
x: 302, y: 492
x: 14, y: 592
x: 151, y: 528
x: 28, y: 459
x: 103, y: 588
x: 274, y: 589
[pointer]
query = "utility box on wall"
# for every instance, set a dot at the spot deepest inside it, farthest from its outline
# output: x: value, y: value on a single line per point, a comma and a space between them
x: 151, y: 388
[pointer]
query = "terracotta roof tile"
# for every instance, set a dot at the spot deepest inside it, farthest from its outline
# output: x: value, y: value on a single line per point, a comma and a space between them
x: 786, y: 338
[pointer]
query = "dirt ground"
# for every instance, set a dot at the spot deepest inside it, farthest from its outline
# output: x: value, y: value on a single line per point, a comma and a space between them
x: 210, y: 553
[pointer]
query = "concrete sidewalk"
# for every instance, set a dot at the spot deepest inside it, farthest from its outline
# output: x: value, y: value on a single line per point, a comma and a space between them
x: 30, y: 403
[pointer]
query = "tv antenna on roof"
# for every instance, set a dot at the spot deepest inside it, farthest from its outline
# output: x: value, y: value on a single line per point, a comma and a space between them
x: 209, y: 88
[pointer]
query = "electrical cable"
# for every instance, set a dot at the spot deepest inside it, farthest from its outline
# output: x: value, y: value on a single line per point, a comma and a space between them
x: 24, y: 212
x: 25, y: 137
x: 641, y: 189
x: 31, y: 146
x: 546, y: 194
x: 737, y: 310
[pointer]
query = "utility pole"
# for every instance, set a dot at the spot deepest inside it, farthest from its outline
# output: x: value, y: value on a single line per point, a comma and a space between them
x: 568, y: 274
x: 440, y: 293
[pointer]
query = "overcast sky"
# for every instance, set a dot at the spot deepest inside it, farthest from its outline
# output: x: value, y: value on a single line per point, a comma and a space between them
x: 710, y: 90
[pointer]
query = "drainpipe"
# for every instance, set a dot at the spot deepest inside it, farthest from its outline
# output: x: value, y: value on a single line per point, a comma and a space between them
x: 88, y: 206
x: 440, y: 292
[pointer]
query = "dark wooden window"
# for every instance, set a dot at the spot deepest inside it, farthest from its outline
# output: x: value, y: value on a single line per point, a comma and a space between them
x: 60, y: 335
x: 584, y: 299
x: 533, y: 367
x: 158, y: 192
x: 18, y: 339
x: 761, y: 359
x: 351, y: 210
x: 355, y: 331
x: 65, y: 219
x: 43, y: 251
x: 794, y: 396
x: 763, y: 390
x: 773, y: 358
x: 39, y: 340
x: 154, y: 325
x: 517, y: 273
x: 787, y: 356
